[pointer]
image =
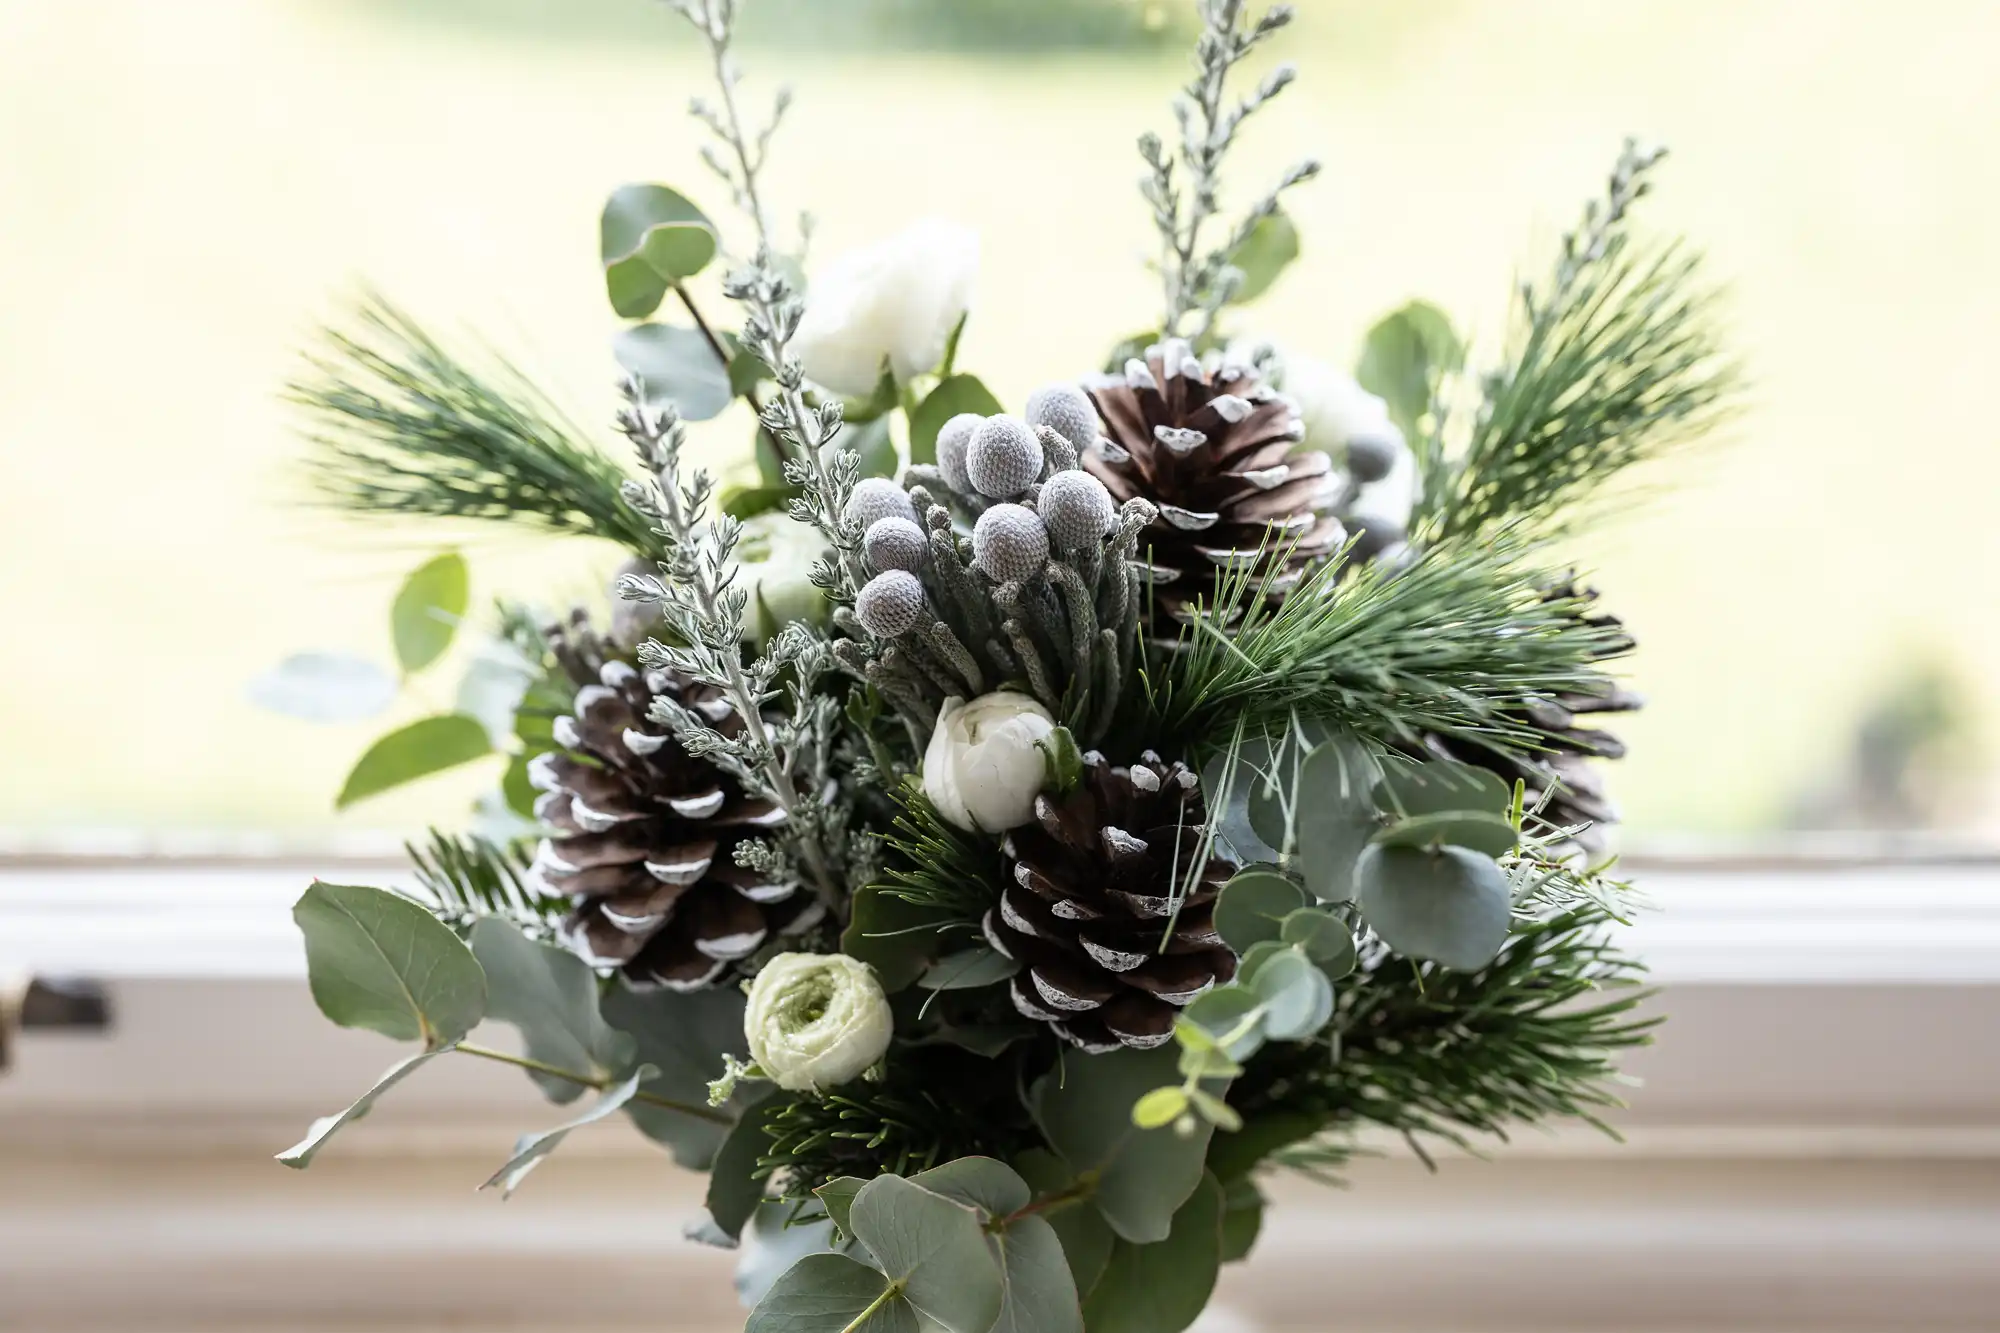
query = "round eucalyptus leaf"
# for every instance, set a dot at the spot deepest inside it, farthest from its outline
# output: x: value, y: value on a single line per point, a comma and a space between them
x: 1221, y: 1010
x: 429, y: 745
x: 1271, y: 245
x: 1324, y: 936
x: 1231, y: 810
x: 1481, y: 830
x: 1298, y: 998
x: 675, y: 365
x: 1253, y: 906
x: 428, y: 609
x: 1450, y: 905
x: 376, y: 960
x: 960, y: 393
x: 1159, y: 1108
x: 325, y: 687
x: 1436, y: 786
x: 649, y: 238
x: 1336, y: 816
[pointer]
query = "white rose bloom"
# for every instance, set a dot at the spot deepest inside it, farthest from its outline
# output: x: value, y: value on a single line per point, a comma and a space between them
x: 898, y: 300
x: 775, y: 556
x: 984, y: 765
x: 1335, y: 407
x: 1391, y: 499
x: 816, y: 1020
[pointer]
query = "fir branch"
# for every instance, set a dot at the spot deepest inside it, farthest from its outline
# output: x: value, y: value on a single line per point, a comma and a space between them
x: 471, y: 877
x: 1194, y: 279
x: 935, y: 864
x: 1452, y: 644
x: 1442, y: 1055
x: 401, y: 426
x: 1615, y: 359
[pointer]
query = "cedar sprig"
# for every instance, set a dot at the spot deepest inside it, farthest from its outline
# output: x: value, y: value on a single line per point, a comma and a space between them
x: 1615, y: 358
x: 399, y: 425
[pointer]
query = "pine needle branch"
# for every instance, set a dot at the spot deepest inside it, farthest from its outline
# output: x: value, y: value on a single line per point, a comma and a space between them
x: 1616, y: 358
x: 399, y: 426
x: 1452, y: 644
x: 470, y: 877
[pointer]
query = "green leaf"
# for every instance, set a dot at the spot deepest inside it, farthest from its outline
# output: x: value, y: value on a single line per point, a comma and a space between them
x: 746, y: 502
x: 1086, y: 1237
x: 1239, y: 811
x: 1220, y: 1010
x: 979, y: 1182
x: 1242, y: 1218
x: 831, y: 1293
x: 376, y: 960
x: 960, y: 393
x: 1253, y: 906
x: 837, y: 1197
x: 550, y: 996
x: 1271, y: 245
x: 1039, y: 1292
x: 429, y: 745
x: 969, y: 969
x: 1481, y: 830
x: 1402, y: 358
x: 770, y: 460
x: 1084, y: 1107
x: 734, y: 1189
x: 1234, y: 1155
x: 1436, y: 786
x: 300, y: 1155
x: 1159, y: 1108
x: 675, y: 365
x: 428, y: 609
x: 519, y: 793
x: 1450, y: 905
x: 1325, y: 938
x: 875, y: 446
x: 683, y: 1035
x: 1214, y: 1110
x: 531, y: 1149
x: 1298, y: 998
x: 896, y: 937
x: 1336, y: 816
x: 324, y: 687
x: 936, y: 1248
x: 1162, y: 1287
x: 880, y: 401
x: 649, y: 238
x: 746, y: 369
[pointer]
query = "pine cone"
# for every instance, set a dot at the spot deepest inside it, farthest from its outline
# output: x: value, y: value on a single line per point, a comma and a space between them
x: 643, y: 835
x: 1092, y: 893
x: 1212, y: 446
x: 1561, y: 776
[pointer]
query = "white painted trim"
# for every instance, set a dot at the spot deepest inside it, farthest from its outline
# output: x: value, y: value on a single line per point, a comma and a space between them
x: 1808, y: 921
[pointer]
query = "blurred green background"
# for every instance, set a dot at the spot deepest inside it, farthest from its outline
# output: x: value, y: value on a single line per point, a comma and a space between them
x: 187, y: 189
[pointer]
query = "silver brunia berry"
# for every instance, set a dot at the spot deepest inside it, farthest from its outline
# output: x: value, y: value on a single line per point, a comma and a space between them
x: 1009, y: 543
x: 1004, y: 458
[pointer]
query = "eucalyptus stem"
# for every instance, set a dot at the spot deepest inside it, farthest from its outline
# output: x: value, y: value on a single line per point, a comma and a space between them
x: 585, y: 1080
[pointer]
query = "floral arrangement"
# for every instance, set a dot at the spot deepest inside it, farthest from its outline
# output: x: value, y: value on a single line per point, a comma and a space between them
x: 987, y: 842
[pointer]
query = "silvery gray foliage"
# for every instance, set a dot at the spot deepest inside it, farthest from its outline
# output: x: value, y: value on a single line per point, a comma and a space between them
x: 1195, y: 279
x: 1039, y: 594
x: 784, y: 751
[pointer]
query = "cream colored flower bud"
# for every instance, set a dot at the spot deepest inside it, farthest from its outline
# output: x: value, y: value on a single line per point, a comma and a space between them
x: 816, y: 1021
x: 896, y: 302
x: 984, y: 765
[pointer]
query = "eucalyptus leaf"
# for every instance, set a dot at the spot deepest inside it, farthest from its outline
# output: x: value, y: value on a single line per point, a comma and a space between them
x: 300, y: 1155
x: 1402, y: 358
x: 1336, y: 816
x: 746, y: 502
x: 969, y: 969
x: 1231, y: 1156
x: 1242, y: 1218
x: 428, y: 609
x: 376, y: 960
x: 984, y: 1183
x: 1220, y: 1011
x: 1040, y: 1295
x: 1326, y: 939
x: 325, y: 687
x: 1232, y: 808
x: 1450, y: 905
x: 1481, y: 830
x: 684, y: 1035
x: 837, y: 1197
x: 953, y: 396
x: 532, y: 1149
x: 935, y: 1247
x: 550, y: 996
x: 771, y: 1244
x: 675, y: 365
x: 896, y: 937
x: 1084, y: 1107
x: 1271, y: 246
x: 429, y: 745
x: 1085, y: 1236
x: 495, y: 682
x: 517, y: 789
x: 734, y: 1190
x: 1214, y: 1110
x: 873, y: 444
x: 1159, y: 1108
x: 1437, y: 786
x: 1253, y: 906
x: 1298, y: 998
x: 831, y: 1293
x: 1162, y: 1287
x: 649, y: 238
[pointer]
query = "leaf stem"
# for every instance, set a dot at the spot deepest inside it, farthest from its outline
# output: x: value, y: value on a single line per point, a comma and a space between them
x: 889, y: 1293
x: 1079, y: 1190
x: 596, y: 1084
x: 707, y: 333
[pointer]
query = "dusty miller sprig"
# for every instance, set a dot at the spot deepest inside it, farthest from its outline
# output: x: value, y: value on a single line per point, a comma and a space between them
x: 785, y: 760
x: 1193, y: 279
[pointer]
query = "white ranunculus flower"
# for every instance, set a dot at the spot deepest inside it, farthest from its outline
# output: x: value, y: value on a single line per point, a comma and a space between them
x: 984, y: 765
x: 816, y: 1020
x: 898, y: 300
x: 1335, y: 407
x: 775, y: 557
